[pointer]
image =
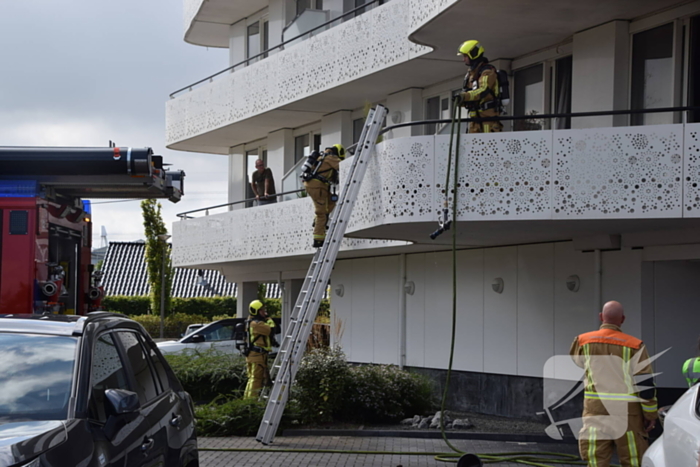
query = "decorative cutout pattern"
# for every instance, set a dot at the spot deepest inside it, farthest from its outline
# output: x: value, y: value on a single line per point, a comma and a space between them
x: 397, y: 186
x: 506, y: 175
x: 628, y: 172
x: 373, y: 41
x: 272, y: 231
x: 691, y: 179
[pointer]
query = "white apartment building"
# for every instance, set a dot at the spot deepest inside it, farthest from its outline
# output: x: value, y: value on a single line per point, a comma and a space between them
x: 554, y: 217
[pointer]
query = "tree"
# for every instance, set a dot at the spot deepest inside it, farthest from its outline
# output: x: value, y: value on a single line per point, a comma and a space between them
x: 155, y: 249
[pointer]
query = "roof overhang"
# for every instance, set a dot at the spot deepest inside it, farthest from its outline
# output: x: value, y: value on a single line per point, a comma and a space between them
x: 210, y: 25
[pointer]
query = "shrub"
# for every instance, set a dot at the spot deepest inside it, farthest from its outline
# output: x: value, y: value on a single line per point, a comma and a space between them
x: 205, y: 306
x: 174, y: 325
x: 134, y: 305
x: 209, y: 374
x: 384, y: 393
x: 322, y: 376
x: 232, y: 417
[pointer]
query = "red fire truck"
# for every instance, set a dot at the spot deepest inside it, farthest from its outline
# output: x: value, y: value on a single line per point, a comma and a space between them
x: 46, y: 223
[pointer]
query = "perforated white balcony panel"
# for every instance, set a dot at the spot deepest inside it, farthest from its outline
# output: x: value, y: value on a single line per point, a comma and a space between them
x: 272, y: 231
x: 630, y: 172
x: 373, y: 41
x: 398, y: 184
x: 691, y: 173
x: 501, y: 176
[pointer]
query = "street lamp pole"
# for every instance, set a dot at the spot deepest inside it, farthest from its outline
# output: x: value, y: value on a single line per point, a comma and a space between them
x: 163, y: 238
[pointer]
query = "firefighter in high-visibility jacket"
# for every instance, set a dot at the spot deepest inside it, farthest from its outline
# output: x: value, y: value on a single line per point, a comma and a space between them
x: 480, y: 89
x: 261, y: 335
x: 320, y: 176
x: 619, y: 405
x: 691, y: 369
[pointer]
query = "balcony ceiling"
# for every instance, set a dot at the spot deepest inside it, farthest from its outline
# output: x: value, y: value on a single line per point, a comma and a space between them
x: 210, y: 26
x: 512, y: 28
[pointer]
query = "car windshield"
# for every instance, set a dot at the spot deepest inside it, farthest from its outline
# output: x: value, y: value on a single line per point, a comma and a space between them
x: 36, y: 374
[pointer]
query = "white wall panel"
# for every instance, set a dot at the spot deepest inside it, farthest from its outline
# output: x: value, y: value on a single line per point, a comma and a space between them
x: 535, y: 308
x: 574, y: 312
x: 363, y: 329
x: 415, y: 311
x: 438, y: 309
x: 386, y: 310
x: 469, y: 341
x: 622, y: 281
x: 500, y: 311
x: 341, y: 316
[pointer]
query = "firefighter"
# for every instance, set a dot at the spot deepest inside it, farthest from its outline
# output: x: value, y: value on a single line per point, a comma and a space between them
x: 480, y: 92
x: 260, y: 332
x: 615, y: 411
x: 691, y: 369
x: 320, y: 175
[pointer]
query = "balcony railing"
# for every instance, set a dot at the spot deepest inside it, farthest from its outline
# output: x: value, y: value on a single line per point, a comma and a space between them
x: 266, y: 53
x: 293, y: 188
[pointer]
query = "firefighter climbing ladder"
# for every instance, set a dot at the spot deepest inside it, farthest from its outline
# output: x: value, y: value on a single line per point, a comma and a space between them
x: 297, y: 333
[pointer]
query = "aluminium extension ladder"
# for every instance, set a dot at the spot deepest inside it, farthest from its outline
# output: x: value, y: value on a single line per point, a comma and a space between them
x: 296, y: 335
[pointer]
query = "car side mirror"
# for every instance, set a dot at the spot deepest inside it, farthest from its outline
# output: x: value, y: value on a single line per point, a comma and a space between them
x: 123, y: 407
x: 122, y: 402
x: 197, y: 338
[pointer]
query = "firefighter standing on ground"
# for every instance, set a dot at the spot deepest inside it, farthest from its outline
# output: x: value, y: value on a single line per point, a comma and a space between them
x: 260, y: 332
x: 615, y: 411
x: 480, y: 89
x: 320, y: 177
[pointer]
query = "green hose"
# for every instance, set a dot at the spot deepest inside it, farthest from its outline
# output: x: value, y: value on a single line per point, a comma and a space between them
x: 531, y: 458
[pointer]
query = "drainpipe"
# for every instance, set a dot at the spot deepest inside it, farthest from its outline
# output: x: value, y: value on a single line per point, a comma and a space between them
x: 597, y: 283
x: 402, y: 311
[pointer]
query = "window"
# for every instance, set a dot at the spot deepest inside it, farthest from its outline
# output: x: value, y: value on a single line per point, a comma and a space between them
x: 143, y: 377
x: 359, y: 3
x: 308, y: 5
x: 106, y: 372
x: 217, y: 333
x: 529, y: 97
x: 357, y: 126
x: 258, y: 39
x: 160, y: 370
x: 301, y: 147
x: 563, y: 69
x: 432, y: 112
x: 694, y: 68
x: 652, y: 74
x: 251, y: 156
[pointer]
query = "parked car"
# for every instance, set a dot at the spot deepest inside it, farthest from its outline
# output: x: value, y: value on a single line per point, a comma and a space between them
x: 679, y: 445
x: 219, y: 335
x: 192, y: 328
x: 89, y: 390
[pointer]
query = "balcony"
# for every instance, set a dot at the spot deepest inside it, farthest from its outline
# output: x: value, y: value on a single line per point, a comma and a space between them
x: 360, y: 60
x: 514, y: 188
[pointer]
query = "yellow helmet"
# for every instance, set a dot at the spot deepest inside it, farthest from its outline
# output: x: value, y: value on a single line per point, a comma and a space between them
x: 471, y: 49
x: 255, y: 306
x: 341, y: 150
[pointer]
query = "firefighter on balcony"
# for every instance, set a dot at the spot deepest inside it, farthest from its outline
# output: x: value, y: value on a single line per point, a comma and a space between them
x: 619, y: 403
x: 261, y: 335
x: 320, y: 176
x: 480, y: 91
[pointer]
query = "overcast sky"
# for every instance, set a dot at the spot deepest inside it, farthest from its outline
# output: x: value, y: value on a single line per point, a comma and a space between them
x: 83, y: 72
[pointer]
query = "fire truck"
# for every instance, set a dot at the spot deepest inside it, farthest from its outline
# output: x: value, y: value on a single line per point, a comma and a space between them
x: 46, y: 222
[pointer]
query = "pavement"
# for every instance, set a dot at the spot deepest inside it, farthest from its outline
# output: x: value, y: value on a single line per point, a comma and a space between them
x: 272, y: 455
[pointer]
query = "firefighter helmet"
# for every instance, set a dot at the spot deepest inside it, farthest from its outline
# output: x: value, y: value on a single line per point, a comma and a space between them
x: 255, y: 307
x: 471, y: 49
x: 341, y: 150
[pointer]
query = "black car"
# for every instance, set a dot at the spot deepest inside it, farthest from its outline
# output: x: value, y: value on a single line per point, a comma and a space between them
x: 89, y: 391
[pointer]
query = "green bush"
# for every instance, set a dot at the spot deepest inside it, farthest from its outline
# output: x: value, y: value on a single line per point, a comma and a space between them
x: 129, y: 305
x: 383, y: 393
x: 231, y: 417
x: 174, y: 325
x: 209, y: 374
x: 320, y: 382
x: 205, y: 306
